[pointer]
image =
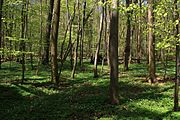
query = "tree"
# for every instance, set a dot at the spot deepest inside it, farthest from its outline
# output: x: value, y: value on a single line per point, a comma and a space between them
x: 151, y: 39
x: 128, y: 37
x: 82, y: 34
x: 176, y: 93
x: 113, y: 52
x: 54, y: 38
x: 99, y: 40
x: 48, y: 32
x: 139, y: 34
x: 77, y: 43
x: 24, y: 30
x: 1, y: 5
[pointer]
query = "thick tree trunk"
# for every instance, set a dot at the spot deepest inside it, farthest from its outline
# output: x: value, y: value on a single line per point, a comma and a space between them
x: 151, y: 39
x: 176, y: 92
x: 54, y: 38
x: 48, y: 32
x: 128, y: 38
x: 1, y: 5
x: 99, y: 41
x: 113, y: 53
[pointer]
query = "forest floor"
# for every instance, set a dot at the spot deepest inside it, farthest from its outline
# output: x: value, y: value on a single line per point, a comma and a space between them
x: 85, y: 98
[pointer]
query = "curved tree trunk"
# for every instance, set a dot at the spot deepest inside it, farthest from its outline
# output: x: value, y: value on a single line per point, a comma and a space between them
x: 99, y: 40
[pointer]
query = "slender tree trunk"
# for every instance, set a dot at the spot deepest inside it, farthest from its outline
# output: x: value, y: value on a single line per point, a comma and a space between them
x: 99, y: 40
x: 82, y: 34
x: 113, y: 53
x: 77, y: 43
x: 1, y: 5
x: 176, y: 92
x: 48, y: 32
x: 128, y: 38
x: 40, y: 39
x: 151, y: 39
x: 54, y: 39
x: 22, y: 44
x: 139, y: 35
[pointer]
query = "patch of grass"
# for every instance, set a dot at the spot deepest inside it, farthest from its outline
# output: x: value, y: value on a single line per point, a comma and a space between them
x: 84, y: 98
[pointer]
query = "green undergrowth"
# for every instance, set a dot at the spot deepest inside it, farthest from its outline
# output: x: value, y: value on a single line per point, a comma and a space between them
x: 85, y: 97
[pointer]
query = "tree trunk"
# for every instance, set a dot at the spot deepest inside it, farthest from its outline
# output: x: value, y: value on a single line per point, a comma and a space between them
x: 1, y: 5
x: 176, y: 92
x: 54, y: 38
x: 139, y: 35
x: 113, y: 53
x: 77, y: 43
x: 48, y: 32
x: 128, y: 37
x: 99, y: 40
x: 40, y: 39
x: 82, y: 34
x: 24, y: 18
x: 151, y: 39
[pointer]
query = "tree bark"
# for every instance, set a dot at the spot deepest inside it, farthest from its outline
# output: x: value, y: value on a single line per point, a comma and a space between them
x: 54, y: 39
x: 176, y: 92
x: 128, y: 38
x: 77, y: 43
x: 82, y: 34
x: 99, y: 40
x: 48, y: 32
x: 151, y: 39
x: 113, y: 53
x: 139, y: 35
x: 1, y: 5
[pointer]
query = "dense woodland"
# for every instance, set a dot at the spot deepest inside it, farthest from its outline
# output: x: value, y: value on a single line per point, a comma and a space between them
x: 89, y: 59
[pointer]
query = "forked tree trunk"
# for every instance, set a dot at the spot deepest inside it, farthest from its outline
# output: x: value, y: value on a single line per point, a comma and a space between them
x: 113, y: 53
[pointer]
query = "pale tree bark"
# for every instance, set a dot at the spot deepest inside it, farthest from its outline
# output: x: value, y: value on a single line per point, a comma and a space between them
x: 151, y: 39
x: 99, y: 40
x: 1, y: 5
x: 82, y: 34
x: 176, y: 92
x: 77, y: 43
x: 48, y: 32
x: 113, y: 53
x: 54, y: 39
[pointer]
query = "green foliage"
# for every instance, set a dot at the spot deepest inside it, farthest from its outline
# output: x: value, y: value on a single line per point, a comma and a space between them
x: 83, y: 97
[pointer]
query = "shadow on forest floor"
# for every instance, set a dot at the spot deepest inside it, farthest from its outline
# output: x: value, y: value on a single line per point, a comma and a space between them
x: 86, y: 98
